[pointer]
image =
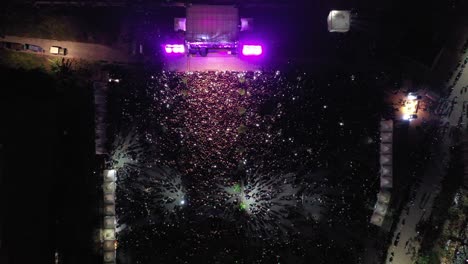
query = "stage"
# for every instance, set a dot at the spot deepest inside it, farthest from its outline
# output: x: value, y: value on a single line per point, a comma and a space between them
x: 213, y: 62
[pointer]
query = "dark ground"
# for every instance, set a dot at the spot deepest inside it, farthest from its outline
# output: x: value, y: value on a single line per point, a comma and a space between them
x: 48, y: 149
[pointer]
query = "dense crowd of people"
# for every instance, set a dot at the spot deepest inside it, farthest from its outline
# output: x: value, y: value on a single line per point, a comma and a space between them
x: 214, y: 164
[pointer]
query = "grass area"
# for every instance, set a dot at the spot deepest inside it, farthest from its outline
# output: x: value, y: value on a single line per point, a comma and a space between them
x: 48, y: 64
x: 23, y: 60
x: 33, y: 100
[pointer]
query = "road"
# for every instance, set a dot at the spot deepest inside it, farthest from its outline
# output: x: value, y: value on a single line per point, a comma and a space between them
x: 77, y: 50
x: 418, y: 208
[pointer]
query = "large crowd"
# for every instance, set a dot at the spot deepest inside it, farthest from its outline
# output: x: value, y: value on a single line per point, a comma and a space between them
x: 242, y: 166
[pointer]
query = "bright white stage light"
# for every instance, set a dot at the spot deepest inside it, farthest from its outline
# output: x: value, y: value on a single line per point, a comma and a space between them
x: 174, y: 48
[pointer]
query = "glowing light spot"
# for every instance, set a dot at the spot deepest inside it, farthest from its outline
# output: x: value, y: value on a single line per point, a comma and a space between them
x: 243, y: 206
x: 252, y: 50
x: 237, y: 188
x: 174, y: 48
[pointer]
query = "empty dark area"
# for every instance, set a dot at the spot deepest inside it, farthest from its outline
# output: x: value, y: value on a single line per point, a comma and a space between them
x: 48, y: 156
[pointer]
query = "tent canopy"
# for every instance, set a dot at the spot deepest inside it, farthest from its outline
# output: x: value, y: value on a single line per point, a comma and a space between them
x: 339, y: 21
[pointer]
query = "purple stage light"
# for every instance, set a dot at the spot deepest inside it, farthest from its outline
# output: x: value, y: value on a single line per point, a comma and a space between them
x: 174, y: 48
x: 252, y: 50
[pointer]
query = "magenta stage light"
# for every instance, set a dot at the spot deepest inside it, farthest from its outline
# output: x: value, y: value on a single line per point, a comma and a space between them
x: 252, y: 50
x: 174, y: 48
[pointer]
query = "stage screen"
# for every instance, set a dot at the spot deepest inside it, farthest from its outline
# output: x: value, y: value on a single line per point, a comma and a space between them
x: 212, y: 23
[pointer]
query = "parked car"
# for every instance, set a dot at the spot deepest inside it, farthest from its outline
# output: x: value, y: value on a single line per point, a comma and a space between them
x: 34, y: 48
x: 12, y: 45
x: 58, y: 50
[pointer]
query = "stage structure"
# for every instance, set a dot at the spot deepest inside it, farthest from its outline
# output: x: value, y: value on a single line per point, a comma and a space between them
x: 211, y: 28
x: 339, y: 21
x: 386, y: 172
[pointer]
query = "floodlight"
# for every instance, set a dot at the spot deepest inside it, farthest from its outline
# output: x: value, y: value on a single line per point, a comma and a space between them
x: 174, y: 48
x: 252, y: 50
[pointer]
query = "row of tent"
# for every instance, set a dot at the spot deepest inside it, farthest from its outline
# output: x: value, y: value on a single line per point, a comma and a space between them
x: 109, y: 225
x: 386, y: 172
x: 100, y: 109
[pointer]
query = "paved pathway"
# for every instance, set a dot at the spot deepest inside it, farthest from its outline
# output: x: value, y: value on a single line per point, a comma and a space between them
x: 87, y: 51
x: 406, y: 251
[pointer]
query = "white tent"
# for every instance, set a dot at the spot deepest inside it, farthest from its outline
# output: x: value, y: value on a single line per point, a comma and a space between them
x: 109, y: 198
x: 109, y: 245
x: 386, y: 126
x: 386, y: 137
x: 109, y: 222
x: 385, y: 159
x: 377, y: 219
x: 109, y: 210
x: 386, y: 182
x: 339, y: 21
x: 381, y: 208
x: 109, y: 187
x: 385, y: 148
x: 386, y: 171
x: 109, y: 257
x: 110, y: 175
x: 108, y: 234
x: 383, y: 197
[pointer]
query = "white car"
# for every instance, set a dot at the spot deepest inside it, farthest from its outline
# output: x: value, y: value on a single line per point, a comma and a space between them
x: 58, y: 50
